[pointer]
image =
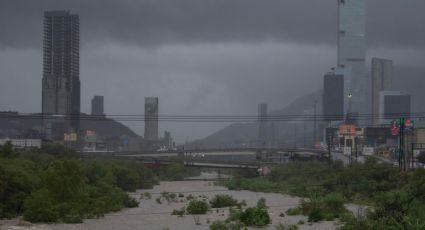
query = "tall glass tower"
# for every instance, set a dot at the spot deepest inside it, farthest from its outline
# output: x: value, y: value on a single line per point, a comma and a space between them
x: 352, y: 53
x: 151, y: 122
x: 61, y: 82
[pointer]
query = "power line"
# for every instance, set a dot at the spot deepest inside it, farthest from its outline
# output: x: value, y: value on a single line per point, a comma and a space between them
x: 205, y: 118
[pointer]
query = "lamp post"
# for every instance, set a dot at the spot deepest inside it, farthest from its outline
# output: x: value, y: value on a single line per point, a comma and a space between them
x: 349, y: 96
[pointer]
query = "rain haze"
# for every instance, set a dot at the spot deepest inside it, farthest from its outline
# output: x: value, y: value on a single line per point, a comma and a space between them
x: 199, y: 57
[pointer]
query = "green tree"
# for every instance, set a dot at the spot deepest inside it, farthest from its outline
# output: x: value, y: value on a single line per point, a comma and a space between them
x: 7, y: 150
x: 40, y: 207
x: 64, y: 180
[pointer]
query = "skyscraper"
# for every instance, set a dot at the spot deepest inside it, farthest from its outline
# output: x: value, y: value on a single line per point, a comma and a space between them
x: 151, y: 121
x: 61, y: 83
x: 333, y: 97
x: 382, y: 77
x: 262, y: 125
x: 352, y: 52
x: 97, y: 106
x: 393, y: 105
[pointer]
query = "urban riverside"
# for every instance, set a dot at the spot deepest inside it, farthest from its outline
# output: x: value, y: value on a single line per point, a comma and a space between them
x: 213, y: 115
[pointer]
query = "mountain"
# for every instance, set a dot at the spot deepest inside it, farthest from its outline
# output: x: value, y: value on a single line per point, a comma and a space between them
x: 13, y: 124
x: 289, y: 132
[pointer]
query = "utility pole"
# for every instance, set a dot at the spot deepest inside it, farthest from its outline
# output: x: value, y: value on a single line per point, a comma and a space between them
x: 314, y: 131
x: 304, y: 135
x: 330, y: 138
x: 295, y: 134
x: 401, y: 144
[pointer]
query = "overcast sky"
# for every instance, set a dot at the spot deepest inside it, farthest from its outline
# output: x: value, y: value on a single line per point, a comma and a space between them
x: 200, y: 57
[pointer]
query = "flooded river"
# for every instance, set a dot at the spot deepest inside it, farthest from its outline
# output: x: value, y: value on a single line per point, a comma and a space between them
x: 151, y: 215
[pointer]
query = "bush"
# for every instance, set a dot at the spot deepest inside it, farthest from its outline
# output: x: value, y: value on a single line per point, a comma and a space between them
x: 222, y: 225
x: 261, y: 203
x: 220, y: 201
x: 196, y: 207
x: 39, y: 207
x: 130, y: 202
x: 258, y: 217
x: 179, y: 212
x: 281, y: 226
x: 293, y: 212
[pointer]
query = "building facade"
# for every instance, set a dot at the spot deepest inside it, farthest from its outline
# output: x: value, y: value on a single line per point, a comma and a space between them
x: 382, y: 77
x: 393, y: 105
x: 97, y: 106
x: 151, y: 121
x: 61, y: 82
x: 262, y: 125
x: 333, y: 97
x: 352, y: 52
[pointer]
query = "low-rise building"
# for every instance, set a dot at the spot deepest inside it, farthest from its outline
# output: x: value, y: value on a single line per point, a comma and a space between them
x: 22, y: 143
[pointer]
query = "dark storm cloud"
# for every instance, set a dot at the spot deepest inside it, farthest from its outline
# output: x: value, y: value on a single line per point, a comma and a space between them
x: 156, y: 22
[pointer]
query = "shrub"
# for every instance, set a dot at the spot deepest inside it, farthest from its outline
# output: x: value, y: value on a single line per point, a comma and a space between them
x: 39, y: 207
x: 130, y: 202
x: 261, y: 203
x: 257, y: 216
x: 197, y: 207
x: 281, y: 226
x: 222, y: 225
x: 179, y: 212
x: 220, y: 201
x: 293, y: 212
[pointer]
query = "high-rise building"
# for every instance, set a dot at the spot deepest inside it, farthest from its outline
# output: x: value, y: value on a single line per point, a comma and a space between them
x: 333, y: 97
x: 151, y: 121
x: 262, y: 125
x: 393, y: 105
x: 352, y: 52
x: 97, y: 106
x: 61, y: 82
x: 382, y: 77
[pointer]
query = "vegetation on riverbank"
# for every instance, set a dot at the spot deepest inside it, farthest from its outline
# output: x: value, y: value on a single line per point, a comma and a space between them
x: 397, y: 199
x: 240, y: 218
x: 53, y: 184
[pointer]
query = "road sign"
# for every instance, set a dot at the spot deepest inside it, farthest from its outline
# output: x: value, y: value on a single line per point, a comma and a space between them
x: 408, y: 126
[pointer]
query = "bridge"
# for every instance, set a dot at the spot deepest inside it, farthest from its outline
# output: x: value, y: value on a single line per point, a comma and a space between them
x: 242, y: 158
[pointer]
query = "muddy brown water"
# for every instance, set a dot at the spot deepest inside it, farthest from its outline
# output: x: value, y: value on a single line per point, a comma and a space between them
x: 151, y: 215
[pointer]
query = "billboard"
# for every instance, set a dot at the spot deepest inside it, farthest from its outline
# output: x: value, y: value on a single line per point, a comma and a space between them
x: 347, y: 130
x: 70, y: 136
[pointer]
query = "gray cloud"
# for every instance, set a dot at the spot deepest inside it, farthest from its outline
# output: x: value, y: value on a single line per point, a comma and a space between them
x: 154, y: 22
x: 198, y: 56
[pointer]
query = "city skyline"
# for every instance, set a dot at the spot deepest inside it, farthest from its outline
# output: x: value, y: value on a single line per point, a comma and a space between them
x: 207, y: 69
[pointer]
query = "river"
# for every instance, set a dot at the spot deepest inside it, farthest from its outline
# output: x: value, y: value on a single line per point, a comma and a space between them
x: 151, y: 215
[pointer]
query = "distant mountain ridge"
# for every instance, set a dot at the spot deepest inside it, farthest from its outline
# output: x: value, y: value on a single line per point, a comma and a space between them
x: 245, y: 134
x: 13, y: 125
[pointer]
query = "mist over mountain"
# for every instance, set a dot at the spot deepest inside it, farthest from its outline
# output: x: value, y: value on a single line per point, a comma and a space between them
x: 290, y: 132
